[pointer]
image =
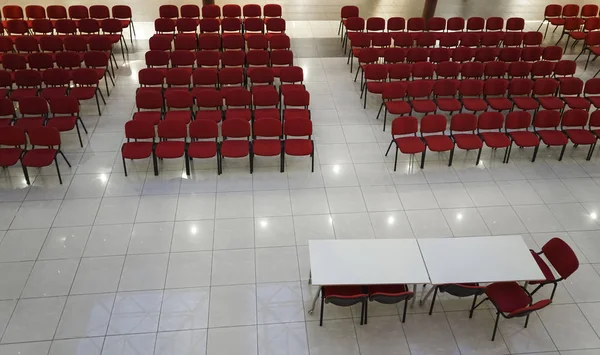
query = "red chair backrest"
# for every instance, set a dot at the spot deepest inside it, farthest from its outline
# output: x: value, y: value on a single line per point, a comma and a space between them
x: 561, y: 256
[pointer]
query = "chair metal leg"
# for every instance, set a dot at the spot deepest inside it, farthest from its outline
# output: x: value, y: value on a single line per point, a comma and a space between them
x: 187, y: 164
x: 389, y: 147
x: 535, y: 151
x: 478, y: 156
x: 496, y: 325
x: 541, y: 24
x: 451, y: 157
x: 562, y: 152
x: 98, y: 104
x: 553, y: 291
x: 546, y: 32
x: 384, y: 118
x: 506, y: 154
x: 57, y: 170
x: 251, y: 157
x: 435, y: 291
x: 472, y: 306
x: 26, y: 173
x: 379, y: 113
x: 101, y: 96
x: 591, y: 151
x: 527, y: 320
x: 322, y: 307
x: 155, y: 161
x: 364, y: 313
x: 124, y: 166
x: 65, y: 158
x: 396, y: 159
x: 404, y: 312
x: 78, y: 133
x: 423, y: 159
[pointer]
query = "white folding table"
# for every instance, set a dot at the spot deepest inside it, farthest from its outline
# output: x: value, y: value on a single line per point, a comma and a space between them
x: 478, y: 259
x: 365, y: 262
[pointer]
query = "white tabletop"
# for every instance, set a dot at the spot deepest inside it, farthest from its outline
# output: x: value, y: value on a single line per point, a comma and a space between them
x: 479, y: 259
x: 366, y: 262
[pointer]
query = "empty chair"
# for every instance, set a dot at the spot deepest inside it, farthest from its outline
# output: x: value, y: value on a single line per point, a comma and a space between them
x: 252, y: 10
x: 297, y: 140
x: 520, y: 91
x: 45, y: 147
x: 459, y: 290
x: 210, y: 104
x: 570, y: 92
x: 291, y: 78
x: 204, y: 79
x: 345, y: 13
x: 295, y: 105
x: 419, y: 95
x: 124, y: 14
x: 344, y: 296
x: 65, y: 115
x: 545, y: 126
x: 544, y: 90
x: 471, y: 93
x: 455, y: 24
x: 140, y: 141
x: 56, y: 12
x: 517, y: 127
x: 12, y: 145
x: 65, y: 27
x: 375, y: 78
x: 98, y: 61
x: 28, y: 83
x: 172, y: 137
x: 591, y: 44
x: 495, y: 69
x: 56, y: 81
x: 236, y: 143
x: 445, y: 92
x: 390, y: 294
x: 495, y: 91
x: 562, y: 259
x: 433, y: 129
x: 573, y: 125
x: 552, y: 53
x: 211, y: 11
x: 99, y: 12
x: 7, y: 112
x: 204, y: 136
x: 404, y: 136
x: 114, y: 30
x: 168, y: 11
x: 542, y: 69
x: 568, y: 11
x: 78, y: 12
x: 232, y: 10
x: 149, y: 107
x: 489, y: 127
x: 179, y: 106
x: 591, y: 91
x: 462, y: 131
x: 34, y: 112
x: 393, y: 99
x: 515, y: 24
x: 238, y: 103
x: 266, y: 139
x: 552, y: 11
x: 86, y: 81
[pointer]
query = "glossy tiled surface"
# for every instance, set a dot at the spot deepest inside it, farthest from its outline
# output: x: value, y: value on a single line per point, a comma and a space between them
x: 112, y: 265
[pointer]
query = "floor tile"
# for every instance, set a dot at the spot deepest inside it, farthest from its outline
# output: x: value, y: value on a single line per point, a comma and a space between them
x: 428, y: 224
x: 234, y: 233
x: 568, y: 327
x: 13, y: 277
x: 382, y: 334
x: 234, y: 205
x: 345, y: 200
x: 525, y: 340
x: 485, y: 194
x: 51, y: 278
x: 313, y: 227
x: 108, y: 240
x: 157, y: 209
x: 309, y: 201
x: 335, y: 337
x: 83, y: 346
x: 144, y: 272
x: 276, y: 264
x: 117, y: 210
x: 193, y: 236
x: 416, y: 197
x: 150, y: 238
x: 381, y: 198
x: 36, y: 214
x: 38, y: 348
x: 284, y: 338
x: 231, y: 267
x: 391, y: 225
x: 185, y: 342
x: 135, y: 312
x: 195, y: 207
x: 129, y: 344
x: 451, y: 195
x: 502, y: 220
x: 232, y: 306
x: 352, y: 226
x: 279, y: 303
x: 272, y: 203
x: 184, y: 309
x: 6, y: 310
x: 68, y: 242
x: 189, y: 270
x: 274, y: 231
x: 465, y: 222
x: 472, y: 334
x: 22, y: 245
x: 538, y: 218
x: 80, y: 212
x: 85, y: 316
x: 430, y: 334
x: 97, y: 275
x: 34, y: 319
x: 232, y: 341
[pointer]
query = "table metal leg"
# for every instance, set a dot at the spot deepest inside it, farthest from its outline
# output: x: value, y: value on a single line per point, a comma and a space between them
x: 314, y: 301
x: 424, y: 299
x: 412, y: 304
x: 310, y: 277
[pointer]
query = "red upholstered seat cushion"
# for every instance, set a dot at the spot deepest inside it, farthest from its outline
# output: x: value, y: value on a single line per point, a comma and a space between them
x: 343, y: 291
x: 552, y: 137
x: 410, y: 145
x: 495, y: 139
x: 524, y: 138
x: 170, y: 149
x: 266, y: 113
x: 240, y: 113
x: 551, y: 103
x: 526, y: 310
x: 397, y: 107
x: 291, y: 113
x: 439, y: 143
x: 595, y: 100
x: 182, y: 116
x: 62, y: 123
x: 266, y: 147
x: 39, y: 157
x: 83, y: 93
x: 557, y: 21
x: 376, y: 87
x: 202, y: 149
x: 286, y: 88
x: 474, y: 104
x: 18, y: 94
x: 423, y: 106
x: 29, y: 122
x: 577, y: 102
x: 148, y: 116
x: 500, y: 103
x: 580, y: 136
x: 525, y: 103
x: 448, y: 104
x: 467, y: 141
x: 53, y: 92
x: 235, y: 148
x: 137, y: 150
x: 9, y: 156
x: 298, y: 147
x: 507, y: 296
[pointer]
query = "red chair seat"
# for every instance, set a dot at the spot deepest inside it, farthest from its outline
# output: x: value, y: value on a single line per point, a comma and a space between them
x: 4, y: 92
x: 266, y: 147
x: 18, y: 94
x: 343, y: 291
x: 83, y: 93
x: 39, y: 157
x: 125, y: 23
x: 552, y: 137
x: 137, y: 150
x: 149, y: 89
x: 53, y: 92
x: 549, y: 276
x: 556, y: 21
x: 474, y: 104
x: 10, y: 156
x: 526, y: 103
x: 100, y: 72
x: 117, y: 38
x: 439, y: 143
x: 467, y: 141
x: 62, y: 123
x: 410, y: 145
x: 551, y: 103
x: 241, y: 113
x: 500, y: 103
x: 507, y: 296
x: 526, y: 310
x: 5, y: 122
x: 376, y: 87
x: 423, y: 106
x: 148, y: 116
x: 448, y: 104
x: 577, y: 35
x: 29, y: 122
x: 524, y: 138
x: 170, y: 149
x: 266, y: 113
x: 298, y: 147
x: 292, y: 113
x: 577, y: 102
x: 580, y: 136
x: 495, y: 139
x: 183, y: 116
x: 397, y: 107
x: 595, y: 100
x: 202, y: 149
x: 595, y: 50
x: 235, y: 148
x: 286, y: 88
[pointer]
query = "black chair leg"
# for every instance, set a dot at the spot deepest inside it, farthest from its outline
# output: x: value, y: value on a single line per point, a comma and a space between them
x: 57, y: 170
x: 472, y: 306
x: 124, y: 167
x: 553, y: 291
x: 155, y: 161
x: 527, y: 320
x: 396, y: 159
x: 389, y: 147
x: 478, y: 156
x: 496, y: 325
x: 451, y: 157
x: 379, y: 113
x: 26, y: 173
x: 404, y: 312
x: 562, y: 152
x: 384, y: 118
x: 535, y: 150
x: 65, y: 158
x: 423, y: 159
x: 322, y: 306
x: 435, y: 291
x: 365, y: 307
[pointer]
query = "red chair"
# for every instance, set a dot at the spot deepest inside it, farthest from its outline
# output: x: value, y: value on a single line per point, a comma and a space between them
x: 344, y: 296
x: 271, y: 11
x: 375, y: 25
x: 390, y: 294
x: 67, y: 109
x: 552, y: 11
x: 210, y: 105
x: 28, y: 83
x: 568, y: 11
x: 236, y: 140
x: 399, y: 71
x: 26, y: 45
x: 415, y: 26
x: 256, y: 58
x: 573, y: 126
x: 519, y: 91
x: 563, y: 260
x: 353, y: 25
x: 187, y: 28
x: 532, y: 39
x: 168, y: 11
x: 462, y: 54
x: 179, y: 106
x: 375, y: 80
x: 437, y: 25
x: 455, y: 24
x: 418, y: 94
x: 459, y: 290
x: 16, y: 28
x: 447, y: 70
x: 56, y: 82
x: 471, y: 95
x: 495, y: 91
x: 35, y: 12
x: 191, y: 11
x: 440, y: 55
x: 403, y: 39
x: 172, y: 137
x: 152, y: 103
x: 114, y: 30
x: 78, y: 12
x: 462, y: 132
x: 151, y: 80
x: 486, y: 54
x: 265, y: 105
x: 137, y: 130
x: 513, y: 39
x: 544, y: 90
x: 510, y: 54
x: 542, y: 69
x: 445, y: 92
x: 291, y: 78
x: 571, y: 25
x: 65, y: 27
x: 231, y: 79
x: 495, y: 69
x: 564, y: 69
x: 99, y: 12
x: 570, y: 92
x: 238, y: 103
x: 593, y: 124
x: 178, y: 80
x: 393, y: 99
x: 489, y: 127
x: 56, y: 12
x: 34, y: 112
x: 231, y: 26
x: 98, y: 61
x: 396, y: 24
x: 515, y: 24
x: 254, y: 26
x: 366, y: 56
x: 295, y: 105
x: 591, y: 24
x: 86, y: 86
x: 471, y: 40
x: 531, y: 54
x: 274, y: 26
x: 77, y: 45
x: 158, y: 60
x: 183, y: 59
x: 591, y: 44
x: 404, y: 136
x: 232, y: 10
x: 266, y: 139
x: 293, y: 144
x: 13, y: 144
x: 88, y: 27
x: 256, y: 41
x: 124, y: 14
x: 204, y: 141
x: 545, y: 126
x: 7, y: 112
x: 512, y: 301
x: 345, y: 13
x: 423, y: 70
x: 552, y: 53
x: 211, y: 11
x: 433, y: 129
x: 40, y: 61
x: 42, y: 152
x: 517, y: 127
x: 209, y: 26
x: 204, y: 79
x: 592, y: 87
x: 359, y: 42
x: 251, y: 10
x: 277, y: 42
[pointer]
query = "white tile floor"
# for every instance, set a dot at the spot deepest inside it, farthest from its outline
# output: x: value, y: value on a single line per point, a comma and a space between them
x: 204, y: 264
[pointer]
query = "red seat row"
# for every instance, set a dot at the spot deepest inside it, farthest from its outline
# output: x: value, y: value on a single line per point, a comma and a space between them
x: 214, y: 11
x: 269, y: 138
x: 557, y: 15
x: 228, y: 25
x: 470, y: 132
x: 217, y: 43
